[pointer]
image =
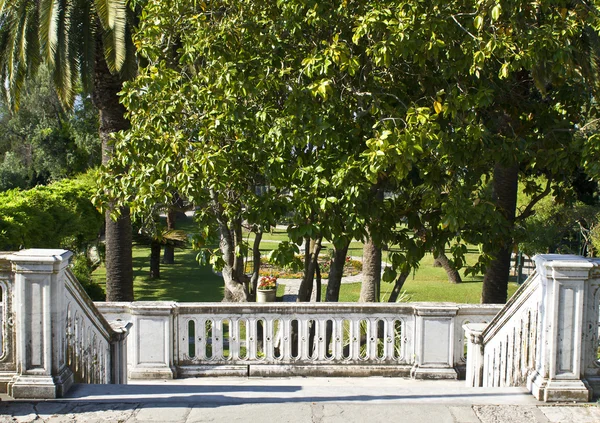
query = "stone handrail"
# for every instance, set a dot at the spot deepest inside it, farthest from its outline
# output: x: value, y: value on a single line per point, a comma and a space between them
x: 546, y: 336
x: 91, y: 343
x: 59, y: 337
x: 169, y: 340
x: 8, y: 365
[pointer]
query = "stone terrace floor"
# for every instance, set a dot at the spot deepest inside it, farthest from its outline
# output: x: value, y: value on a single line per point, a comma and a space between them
x: 310, y: 400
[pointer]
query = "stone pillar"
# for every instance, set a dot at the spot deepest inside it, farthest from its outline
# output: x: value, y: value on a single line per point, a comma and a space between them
x: 473, y: 331
x: 118, y: 352
x: 559, y: 374
x: 39, y: 319
x: 434, y: 343
x: 152, y: 340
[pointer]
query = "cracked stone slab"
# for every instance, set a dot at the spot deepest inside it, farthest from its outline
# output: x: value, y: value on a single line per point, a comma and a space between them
x: 464, y: 414
x: 384, y: 413
x: 509, y: 414
x: 17, y: 412
x: 100, y: 412
x: 582, y: 414
x: 163, y: 414
x: 253, y: 413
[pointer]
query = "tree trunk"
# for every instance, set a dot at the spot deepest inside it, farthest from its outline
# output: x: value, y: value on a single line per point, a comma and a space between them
x: 169, y: 253
x: 119, y: 267
x: 336, y: 272
x: 255, y: 263
x: 453, y: 275
x: 317, y: 295
x: 495, y: 281
x: 398, y: 287
x: 311, y: 251
x: 155, y: 260
x: 369, y: 289
x: 239, y: 259
x: 234, y: 289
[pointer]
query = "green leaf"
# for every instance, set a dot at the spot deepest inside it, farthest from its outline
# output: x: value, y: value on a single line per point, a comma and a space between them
x: 496, y: 11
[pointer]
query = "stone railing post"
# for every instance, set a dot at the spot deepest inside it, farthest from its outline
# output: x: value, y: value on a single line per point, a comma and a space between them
x: 434, y: 342
x: 559, y: 374
x: 474, y: 374
x: 153, y: 339
x: 118, y: 352
x: 39, y: 288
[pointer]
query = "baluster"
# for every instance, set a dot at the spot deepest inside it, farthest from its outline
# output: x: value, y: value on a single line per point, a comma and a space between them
x: 372, y: 337
x: 267, y: 337
x: 217, y: 339
x: 337, y: 339
x: 355, y: 339
x: 251, y: 335
x: 286, y: 340
x: 234, y: 339
x: 320, y: 339
x: 201, y: 339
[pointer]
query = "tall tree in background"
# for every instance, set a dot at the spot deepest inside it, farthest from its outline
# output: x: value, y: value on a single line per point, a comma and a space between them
x: 41, y: 142
x: 87, y: 43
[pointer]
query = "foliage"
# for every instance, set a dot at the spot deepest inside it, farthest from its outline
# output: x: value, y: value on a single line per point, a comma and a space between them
x: 63, y: 35
x: 558, y: 228
x: 41, y: 142
x: 327, y: 103
x: 59, y: 215
x: 82, y: 269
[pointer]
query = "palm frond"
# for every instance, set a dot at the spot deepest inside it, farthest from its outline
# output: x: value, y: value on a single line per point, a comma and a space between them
x: 103, y: 11
x: 61, y: 68
x: 175, y: 237
x: 113, y: 18
x: 15, y: 67
x: 64, y: 34
x: 48, y: 27
x: 84, y: 28
x: 32, y: 53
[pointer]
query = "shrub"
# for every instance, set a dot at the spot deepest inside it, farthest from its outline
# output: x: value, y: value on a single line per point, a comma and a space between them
x: 82, y: 268
x: 59, y: 215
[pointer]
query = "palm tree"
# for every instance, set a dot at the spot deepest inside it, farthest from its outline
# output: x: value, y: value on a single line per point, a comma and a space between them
x: 84, y: 43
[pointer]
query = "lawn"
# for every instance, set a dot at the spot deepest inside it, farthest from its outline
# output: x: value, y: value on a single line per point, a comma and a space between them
x: 187, y: 281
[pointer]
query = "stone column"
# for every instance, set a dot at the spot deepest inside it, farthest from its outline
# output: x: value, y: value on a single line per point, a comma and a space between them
x: 118, y: 352
x: 152, y: 340
x: 434, y: 343
x: 559, y: 374
x: 39, y: 319
x: 473, y: 331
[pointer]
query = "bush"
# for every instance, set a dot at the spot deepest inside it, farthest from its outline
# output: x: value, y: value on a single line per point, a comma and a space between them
x: 59, y: 215
x: 82, y: 268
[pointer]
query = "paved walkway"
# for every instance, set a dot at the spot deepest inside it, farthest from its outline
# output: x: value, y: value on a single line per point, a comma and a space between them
x: 310, y: 400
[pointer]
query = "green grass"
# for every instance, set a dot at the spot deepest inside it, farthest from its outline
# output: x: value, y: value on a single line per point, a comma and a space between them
x: 418, y: 290
x: 430, y: 283
x: 185, y: 280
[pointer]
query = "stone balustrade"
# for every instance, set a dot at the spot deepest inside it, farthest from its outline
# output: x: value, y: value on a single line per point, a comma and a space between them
x: 423, y: 340
x: 546, y: 337
x: 52, y: 334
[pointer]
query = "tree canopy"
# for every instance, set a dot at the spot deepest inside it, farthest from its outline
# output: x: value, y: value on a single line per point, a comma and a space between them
x: 327, y: 102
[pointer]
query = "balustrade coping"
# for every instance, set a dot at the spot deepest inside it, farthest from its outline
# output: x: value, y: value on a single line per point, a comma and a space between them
x: 462, y: 308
